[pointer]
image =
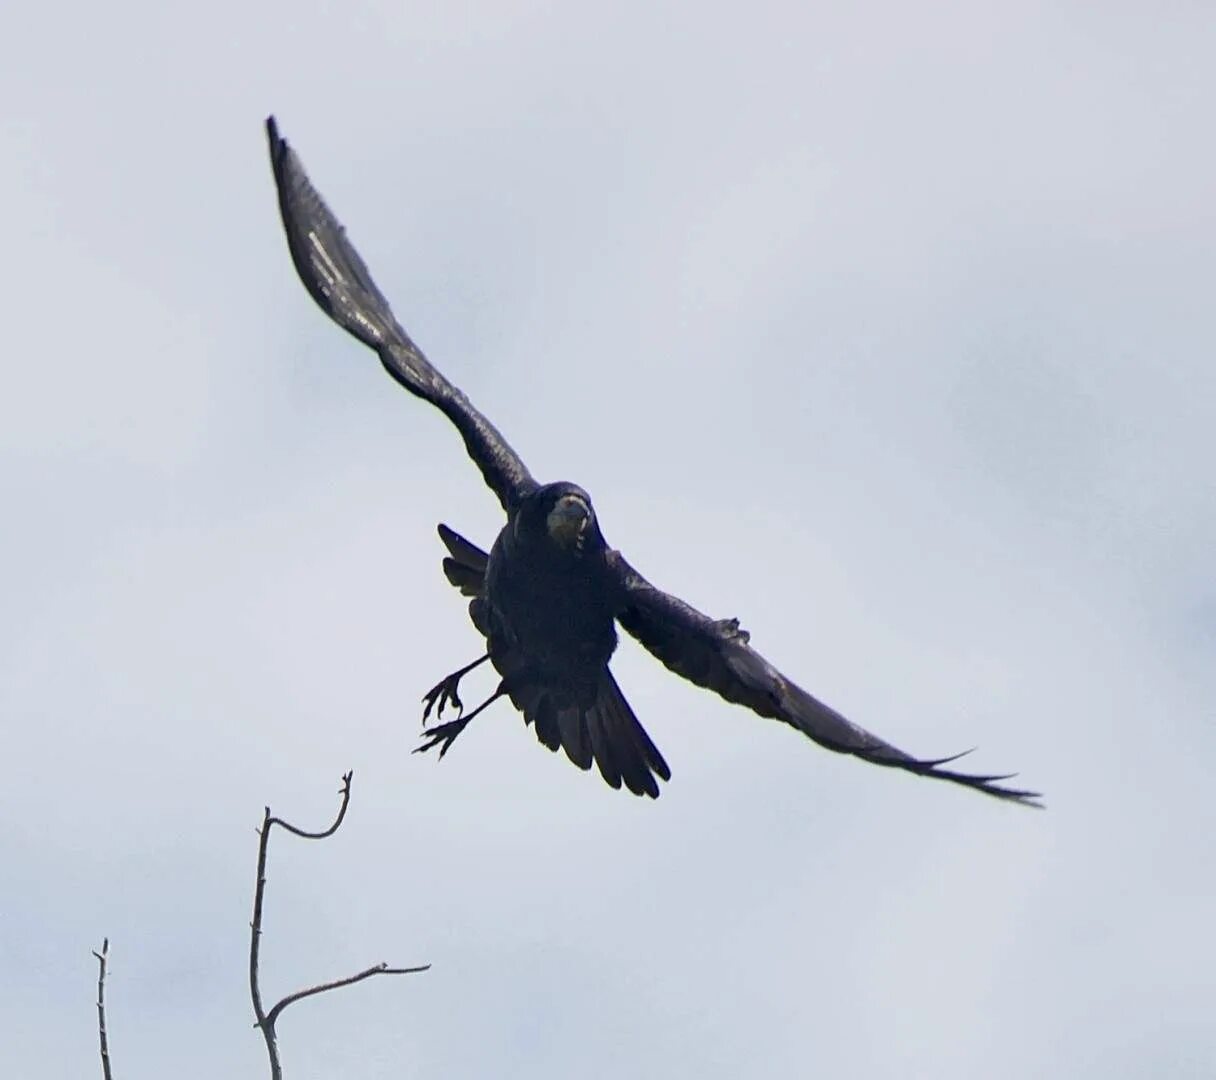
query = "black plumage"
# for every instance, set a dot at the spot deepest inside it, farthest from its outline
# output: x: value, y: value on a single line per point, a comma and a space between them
x: 550, y: 593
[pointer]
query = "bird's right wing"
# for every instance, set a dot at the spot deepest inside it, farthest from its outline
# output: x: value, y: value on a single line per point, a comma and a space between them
x: 717, y: 656
x: 337, y: 279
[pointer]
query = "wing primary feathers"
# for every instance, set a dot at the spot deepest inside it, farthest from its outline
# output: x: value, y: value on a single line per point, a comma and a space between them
x: 717, y: 656
x: 465, y: 567
x: 469, y: 582
x: 337, y: 278
x: 463, y: 551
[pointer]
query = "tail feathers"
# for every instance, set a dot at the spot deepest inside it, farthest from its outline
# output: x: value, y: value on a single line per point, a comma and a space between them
x: 607, y: 732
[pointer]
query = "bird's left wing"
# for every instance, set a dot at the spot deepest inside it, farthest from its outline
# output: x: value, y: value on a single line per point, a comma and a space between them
x: 715, y: 654
x: 338, y: 280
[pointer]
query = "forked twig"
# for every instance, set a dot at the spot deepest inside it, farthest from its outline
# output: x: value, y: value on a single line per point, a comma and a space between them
x: 101, y: 1007
x: 266, y: 1020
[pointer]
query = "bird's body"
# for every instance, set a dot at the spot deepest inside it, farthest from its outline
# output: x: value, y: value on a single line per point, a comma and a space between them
x: 552, y: 604
x: 550, y: 593
x: 546, y: 598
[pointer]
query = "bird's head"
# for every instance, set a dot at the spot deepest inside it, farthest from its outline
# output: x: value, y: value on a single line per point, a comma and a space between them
x: 562, y: 516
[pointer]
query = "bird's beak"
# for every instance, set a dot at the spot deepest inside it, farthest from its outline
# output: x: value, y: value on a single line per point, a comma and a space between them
x: 567, y: 520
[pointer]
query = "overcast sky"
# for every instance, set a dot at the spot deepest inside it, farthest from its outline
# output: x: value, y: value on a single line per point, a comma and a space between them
x: 888, y: 329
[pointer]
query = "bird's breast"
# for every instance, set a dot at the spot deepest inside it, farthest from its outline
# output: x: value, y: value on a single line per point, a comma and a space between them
x: 556, y: 612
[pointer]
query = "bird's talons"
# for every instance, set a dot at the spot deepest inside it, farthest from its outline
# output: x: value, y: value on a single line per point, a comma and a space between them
x: 439, y: 697
x: 442, y: 735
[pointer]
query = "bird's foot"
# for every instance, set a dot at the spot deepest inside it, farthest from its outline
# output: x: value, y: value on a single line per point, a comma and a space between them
x: 440, y: 696
x: 442, y: 735
x: 446, y: 692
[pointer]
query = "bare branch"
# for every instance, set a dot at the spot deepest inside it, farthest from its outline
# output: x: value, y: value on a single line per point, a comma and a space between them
x: 101, y: 1007
x: 379, y: 969
x: 266, y: 1020
x: 345, y: 793
x: 255, y: 943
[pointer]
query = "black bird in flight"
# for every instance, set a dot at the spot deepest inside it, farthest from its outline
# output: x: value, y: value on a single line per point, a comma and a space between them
x: 548, y: 595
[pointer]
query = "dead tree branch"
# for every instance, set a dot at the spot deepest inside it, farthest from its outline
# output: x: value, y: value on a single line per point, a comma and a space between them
x: 266, y: 1020
x: 378, y: 969
x: 101, y: 1007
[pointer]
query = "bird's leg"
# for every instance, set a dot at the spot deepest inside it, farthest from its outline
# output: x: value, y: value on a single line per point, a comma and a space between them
x: 445, y: 692
x: 443, y: 735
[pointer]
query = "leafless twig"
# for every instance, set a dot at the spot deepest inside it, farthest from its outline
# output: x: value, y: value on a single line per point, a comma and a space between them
x: 266, y: 1020
x: 101, y: 1007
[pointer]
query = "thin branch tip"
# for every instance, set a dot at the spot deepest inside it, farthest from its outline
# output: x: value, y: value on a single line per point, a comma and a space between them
x: 336, y: 984
x: 102, y: 1036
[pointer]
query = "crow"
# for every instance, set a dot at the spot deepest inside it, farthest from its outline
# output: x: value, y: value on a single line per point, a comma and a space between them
x: 548, y: 595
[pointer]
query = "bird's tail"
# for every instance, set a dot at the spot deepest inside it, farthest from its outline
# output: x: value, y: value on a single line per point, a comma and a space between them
x: 606, y: 732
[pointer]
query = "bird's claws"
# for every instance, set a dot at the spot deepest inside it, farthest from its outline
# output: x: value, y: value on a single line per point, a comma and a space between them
x: 442, y: 735
x: 439, y: 697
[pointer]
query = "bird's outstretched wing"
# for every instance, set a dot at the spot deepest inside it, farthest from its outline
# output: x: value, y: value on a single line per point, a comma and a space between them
x: 339, y: 282
x: 716, y: 655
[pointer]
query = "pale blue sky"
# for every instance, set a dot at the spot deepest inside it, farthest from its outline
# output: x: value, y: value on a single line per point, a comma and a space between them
x: 890, y: 332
